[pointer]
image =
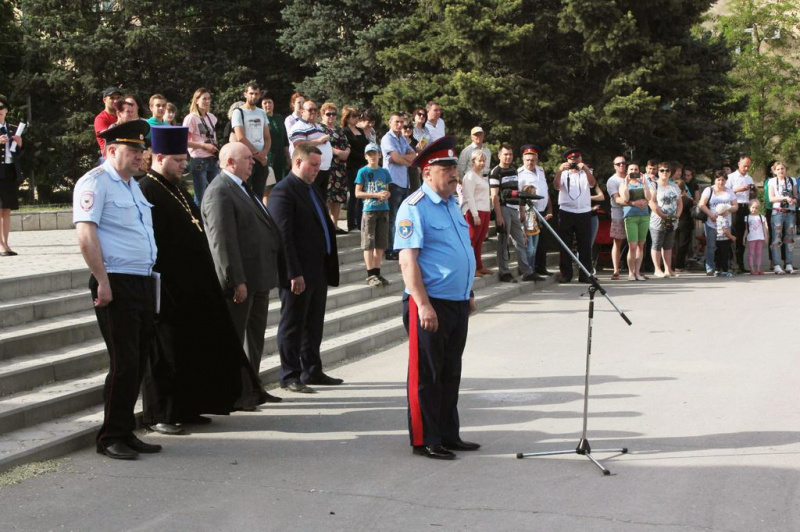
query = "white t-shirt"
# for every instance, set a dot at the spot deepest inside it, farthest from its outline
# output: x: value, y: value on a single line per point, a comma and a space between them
x: 667, y: 198
x: 254, y: 120
x: 715, y: 199
x: 575, y: 194
x: 756, y: 227
x: 539, y: 182
x: 776, y: 189
x: 736, y: 180
x: 436, y: 131
x: 612, y: 186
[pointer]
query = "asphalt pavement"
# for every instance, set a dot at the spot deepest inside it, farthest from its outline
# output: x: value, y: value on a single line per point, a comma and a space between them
x: 702, y: 389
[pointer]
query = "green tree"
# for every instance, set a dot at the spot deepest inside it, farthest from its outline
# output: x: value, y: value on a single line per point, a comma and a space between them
x: 767, y: 67
x: 606, y: 75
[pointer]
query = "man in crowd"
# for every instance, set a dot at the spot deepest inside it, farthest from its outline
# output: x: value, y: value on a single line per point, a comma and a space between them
x: 244, y: 244
x: 198, y: 364
x: 531, y: 174
x: 311, y: 260
x: 435, y: 124
x: 107, y: 117
x: 466, y: 153
x: 503, y: 177
x: 397, y: 157
x: 307, y: 131
x: 438, y: 273
x: 115, y: 233
x: 251, y: 128
x: 574, y: 181
x: 617, y: 231
x: 741, y: 182
x: 158, y: 108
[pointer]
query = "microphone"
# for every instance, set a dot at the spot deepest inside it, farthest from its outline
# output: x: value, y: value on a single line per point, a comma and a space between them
x: 516, y: 194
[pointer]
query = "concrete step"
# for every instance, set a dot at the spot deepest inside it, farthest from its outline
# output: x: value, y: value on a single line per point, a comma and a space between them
x: 48, y: 334
x: 43, y: 283
x: 42, y: 306
x: 27, y: 434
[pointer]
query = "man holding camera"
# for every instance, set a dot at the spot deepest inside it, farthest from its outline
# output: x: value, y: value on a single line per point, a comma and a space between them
x: 574, y: 181
x: 503, y: 180
x: 741, y: 183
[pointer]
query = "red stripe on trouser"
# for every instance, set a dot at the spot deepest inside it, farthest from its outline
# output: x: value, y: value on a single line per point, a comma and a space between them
x: 415, y: 412
x: 113, y: 353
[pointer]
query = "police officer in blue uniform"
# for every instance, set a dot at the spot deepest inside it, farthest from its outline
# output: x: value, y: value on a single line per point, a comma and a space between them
x: 438, y: 267
x: 115, y: 232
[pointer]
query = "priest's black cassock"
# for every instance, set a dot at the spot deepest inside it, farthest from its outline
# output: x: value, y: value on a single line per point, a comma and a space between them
x: 199, y: 365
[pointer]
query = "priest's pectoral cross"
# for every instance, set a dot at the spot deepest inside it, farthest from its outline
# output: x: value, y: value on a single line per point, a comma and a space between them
x: 196, y: 222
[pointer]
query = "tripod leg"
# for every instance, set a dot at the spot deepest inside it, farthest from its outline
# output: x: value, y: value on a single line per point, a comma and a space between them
x: 545, y: 453
x: 598, y: 464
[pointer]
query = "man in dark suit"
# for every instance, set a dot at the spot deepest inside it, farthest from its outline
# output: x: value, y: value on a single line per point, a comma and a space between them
x: 244, y: 245
x: 312, y: 264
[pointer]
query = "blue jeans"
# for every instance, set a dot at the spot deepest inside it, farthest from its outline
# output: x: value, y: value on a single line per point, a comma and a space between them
x: 203, y: 169
x: 530, y: 249
x: 397, y: 196
x: 783, y: 231
x: 711, y: 247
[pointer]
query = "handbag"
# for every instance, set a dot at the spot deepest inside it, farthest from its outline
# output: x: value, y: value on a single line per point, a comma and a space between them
x: 699, y: 214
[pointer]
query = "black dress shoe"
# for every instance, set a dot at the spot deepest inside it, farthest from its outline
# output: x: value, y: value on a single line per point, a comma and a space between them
x: 461, y: 445
x: 545, y: 273
x: 437, y: 452
x: 196, y: 420
x: 530, y: 277
x: 507, y: 278
x: 141, y: 447
x: 118, y: 451
x: 324, y: 380
x: 298, y: 387
x: 269, y: 398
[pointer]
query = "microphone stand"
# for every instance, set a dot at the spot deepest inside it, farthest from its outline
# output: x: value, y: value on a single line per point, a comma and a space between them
x: 583, y: 448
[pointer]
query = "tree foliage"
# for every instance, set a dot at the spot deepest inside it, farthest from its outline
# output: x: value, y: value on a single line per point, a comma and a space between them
x: 764, y: 36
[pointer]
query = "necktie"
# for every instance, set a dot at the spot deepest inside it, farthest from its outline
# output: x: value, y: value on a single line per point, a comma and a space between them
x: 249, y: 189
x: 321, y: 218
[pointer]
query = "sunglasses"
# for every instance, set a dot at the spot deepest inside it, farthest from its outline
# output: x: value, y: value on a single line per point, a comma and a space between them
x: 620, y: 164
x: 331, y: 114
x: 663, y: 169
x: 421, y: 114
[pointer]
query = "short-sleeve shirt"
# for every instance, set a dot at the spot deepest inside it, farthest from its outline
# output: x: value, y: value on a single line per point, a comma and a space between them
x: 374, y: 181
x: 438, y: 230
x: 612, y: 186
x: 436, y: 131
x: 575, y: 195
x: 201, y: 130
x: 756, y: 227
x: 667, y: 198
x: 504, y: 179
x: 714, y: 199
x: 539, y: 182
x: 736, y: 180
x: 123, y: 217
x: 306, y: 131
x: 153, y: 121
x: 103, y: 121
x: 389, y: 143
x: 777, y: 187
x: 254, y: 121
x: 723, y: 222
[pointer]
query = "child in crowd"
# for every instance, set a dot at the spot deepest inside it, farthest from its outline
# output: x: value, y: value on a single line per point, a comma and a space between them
x: 170, y: 114
x: 372, y: 185
x: 756, y: 229
x: 724, y: 238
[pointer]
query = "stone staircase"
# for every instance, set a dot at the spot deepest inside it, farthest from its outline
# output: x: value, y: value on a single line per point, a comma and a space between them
x: 53, y: 360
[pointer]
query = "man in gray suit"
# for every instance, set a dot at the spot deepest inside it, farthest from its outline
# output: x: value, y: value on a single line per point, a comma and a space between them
x: 244, y: 243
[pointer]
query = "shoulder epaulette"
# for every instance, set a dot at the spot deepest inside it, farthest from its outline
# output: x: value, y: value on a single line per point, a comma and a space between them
x: 94, y: 172
x: 415, y: 198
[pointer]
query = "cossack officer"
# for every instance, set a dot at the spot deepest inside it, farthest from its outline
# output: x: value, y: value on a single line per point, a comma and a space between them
x: 438, y: 267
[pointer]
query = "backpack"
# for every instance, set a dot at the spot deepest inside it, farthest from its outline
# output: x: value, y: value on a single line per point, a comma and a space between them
x: 228, y: 129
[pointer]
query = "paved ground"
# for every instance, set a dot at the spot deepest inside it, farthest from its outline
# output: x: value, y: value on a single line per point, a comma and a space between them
x: 702, y: 389
x: 41, y: 252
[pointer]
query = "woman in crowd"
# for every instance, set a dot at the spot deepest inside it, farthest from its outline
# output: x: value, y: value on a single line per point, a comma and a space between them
x: 367, y: 123
x: 783, y: 196
x: 279, y: 149
x: 420, y: 133
x: 9, y: 176
x: 171, y: 114
x: 711, y: 197
x: 634, y: 195
x: 476, y: 206
x: 203, y: 145
x: 337, y: 180
x: 665, y: 209
x: 296, y: 105
x: 684, y: 233
x: 355, y: 161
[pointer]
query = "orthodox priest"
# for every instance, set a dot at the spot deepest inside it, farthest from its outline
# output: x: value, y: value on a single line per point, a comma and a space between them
x: 199, y: 365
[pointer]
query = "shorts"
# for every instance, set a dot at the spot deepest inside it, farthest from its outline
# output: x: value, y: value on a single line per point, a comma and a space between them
x: 636, y: 227
x: 374, y: 230
x: 617, y: 231
x: 662, y: 239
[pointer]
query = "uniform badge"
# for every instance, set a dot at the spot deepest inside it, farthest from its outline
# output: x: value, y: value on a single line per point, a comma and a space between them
x: 405, y: 228
x: 87, y: 200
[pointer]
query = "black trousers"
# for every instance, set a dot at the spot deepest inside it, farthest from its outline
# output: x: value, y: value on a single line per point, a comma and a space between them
x: 724, y: 250
x: 300, y: 333
x: 258, y: 179
x: 434, y: 371
x: 127, y: 325
x: 578, y: 225
x: 683, y: 242
x: 738, y: 230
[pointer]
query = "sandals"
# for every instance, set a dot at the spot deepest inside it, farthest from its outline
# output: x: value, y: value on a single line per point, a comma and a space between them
x: 615, y: 277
